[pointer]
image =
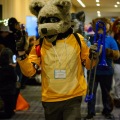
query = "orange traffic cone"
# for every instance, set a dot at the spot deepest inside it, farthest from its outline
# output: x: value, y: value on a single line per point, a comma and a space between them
x: 22, y: 104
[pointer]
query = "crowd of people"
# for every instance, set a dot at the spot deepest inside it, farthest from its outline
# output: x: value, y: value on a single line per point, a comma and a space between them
x: 12, y: 78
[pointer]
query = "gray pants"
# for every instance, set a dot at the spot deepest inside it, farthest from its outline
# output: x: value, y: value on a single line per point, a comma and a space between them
x: 63, y: 110
x: 117, y: 81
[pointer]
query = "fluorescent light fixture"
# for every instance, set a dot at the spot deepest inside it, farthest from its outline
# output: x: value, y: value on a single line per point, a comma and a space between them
x: 98, y: 4
x: 99, y: 15
x: 115, y: 5
x: 118, y: 2
x: 98, y: 12
x: 97, y: 1
x: 81, y: 3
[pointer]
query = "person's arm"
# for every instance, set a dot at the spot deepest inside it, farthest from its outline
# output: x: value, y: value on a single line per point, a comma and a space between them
x: 86, y: 53
x: 112, y: 52
x: 29, y: 62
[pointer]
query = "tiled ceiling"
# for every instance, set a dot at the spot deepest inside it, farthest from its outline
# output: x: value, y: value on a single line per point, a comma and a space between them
x: 106, y: 8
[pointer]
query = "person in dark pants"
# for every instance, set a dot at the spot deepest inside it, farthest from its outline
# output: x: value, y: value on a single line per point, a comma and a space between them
x: 103, y: 80
x: 116, y: 35
x: 104, y: 73
x: 8, y: 79
x: 16, y: 34
x: 70, y: 106
x: 7, y: 38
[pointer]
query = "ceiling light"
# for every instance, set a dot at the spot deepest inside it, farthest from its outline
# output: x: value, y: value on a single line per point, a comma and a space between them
x: 99, y: 15
x: 98, y: 4
x: 98, y: 12
x: 118, y: 2
x: 81, y: 3
x: 115, y: 5
x: 97, y: 1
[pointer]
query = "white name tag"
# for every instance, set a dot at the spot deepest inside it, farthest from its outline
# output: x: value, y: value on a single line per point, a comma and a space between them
x: 60, y: 74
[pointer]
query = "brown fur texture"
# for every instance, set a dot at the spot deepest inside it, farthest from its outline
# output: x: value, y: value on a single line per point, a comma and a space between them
x: 116, y: 29
x: 113, y: 54
x: 53, y: 17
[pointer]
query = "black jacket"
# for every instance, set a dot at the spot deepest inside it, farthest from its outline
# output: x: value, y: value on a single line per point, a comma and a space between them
x: 9, y: 42
x: 8, y: 78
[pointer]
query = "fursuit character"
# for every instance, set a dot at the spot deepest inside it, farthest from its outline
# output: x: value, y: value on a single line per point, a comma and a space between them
x: 104, y: 74
x: 116, y: 31
x: 63, y: 82
x: 113, y: 54
x: 78, y: 21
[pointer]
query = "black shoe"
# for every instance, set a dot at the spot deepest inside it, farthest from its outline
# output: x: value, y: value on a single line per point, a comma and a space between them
x: 109, y: 116
x: 89, y: 116
x: 4, y: 115
x: 117, y: 103
x: 23, y: 87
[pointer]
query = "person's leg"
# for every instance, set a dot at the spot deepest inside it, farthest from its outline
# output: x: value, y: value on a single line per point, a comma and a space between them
x: 117, y: 85
x: 106, y: 85
x: 8, y: 106
x: 91, y: 103
x: 23, y: 81
x: 18, y: 84
x: 72, y: 109
x: 1, y: 104
x: 53, y: 110
x: 63, y: 110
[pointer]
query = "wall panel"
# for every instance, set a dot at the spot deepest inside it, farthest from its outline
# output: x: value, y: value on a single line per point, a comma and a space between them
x: 18, y: 9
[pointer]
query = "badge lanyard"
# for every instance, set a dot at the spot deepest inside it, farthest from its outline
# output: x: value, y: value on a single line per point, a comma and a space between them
x: 59, y: 57
x: 60, y: 73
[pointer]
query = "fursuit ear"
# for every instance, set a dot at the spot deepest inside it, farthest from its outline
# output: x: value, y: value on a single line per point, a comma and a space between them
x: 80, y: 16
x: 116, y: 26
x: 35, y: 6
x: 63, y: 5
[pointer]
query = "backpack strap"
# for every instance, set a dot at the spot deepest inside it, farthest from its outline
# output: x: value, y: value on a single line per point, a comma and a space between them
x: 77, y: 38
x: 79, y: 42
x: 41, y: 41
x: 38, y: 47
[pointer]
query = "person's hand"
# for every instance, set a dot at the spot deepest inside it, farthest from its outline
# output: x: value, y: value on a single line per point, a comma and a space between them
x: 94, y: 52
x: 21, y: 41
x: 112, y: 54
x: 13, y: 65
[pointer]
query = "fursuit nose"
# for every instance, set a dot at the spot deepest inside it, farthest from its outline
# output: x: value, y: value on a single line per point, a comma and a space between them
x: 44, y: 30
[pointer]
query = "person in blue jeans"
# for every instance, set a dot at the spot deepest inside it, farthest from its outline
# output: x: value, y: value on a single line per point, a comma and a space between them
x: 104, y: 75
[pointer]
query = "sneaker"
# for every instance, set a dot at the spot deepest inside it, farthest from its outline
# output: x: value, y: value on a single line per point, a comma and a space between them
x: 89, y: 116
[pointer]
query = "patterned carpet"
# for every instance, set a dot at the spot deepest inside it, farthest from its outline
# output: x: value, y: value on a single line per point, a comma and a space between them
x: 36, y: 111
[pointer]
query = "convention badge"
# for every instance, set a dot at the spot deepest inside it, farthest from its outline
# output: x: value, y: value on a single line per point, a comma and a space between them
x: 60, y: 74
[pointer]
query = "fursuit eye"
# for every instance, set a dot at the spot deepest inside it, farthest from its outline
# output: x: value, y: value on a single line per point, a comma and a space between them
x: 43, y: 20
x: 53, y: 19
